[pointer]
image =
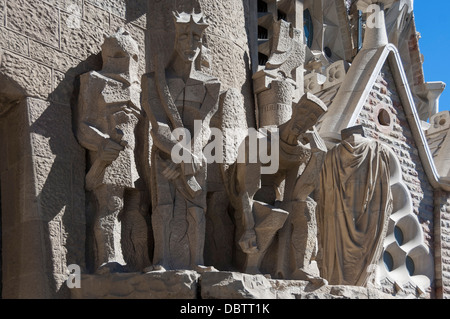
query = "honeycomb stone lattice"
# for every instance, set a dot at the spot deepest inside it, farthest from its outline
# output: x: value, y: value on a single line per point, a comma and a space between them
x: 406, y: 261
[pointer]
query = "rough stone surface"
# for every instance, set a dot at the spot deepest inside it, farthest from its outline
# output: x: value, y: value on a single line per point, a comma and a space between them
x: 163, y: 285
x: 45, y: 46
x: 213, y: 285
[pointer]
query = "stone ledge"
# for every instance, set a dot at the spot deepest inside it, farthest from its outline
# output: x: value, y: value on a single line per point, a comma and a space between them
x: 212, y: 285
x: 152, y: 285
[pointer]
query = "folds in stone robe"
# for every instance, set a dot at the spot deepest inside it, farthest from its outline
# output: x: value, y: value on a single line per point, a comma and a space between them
x: 354, y: 207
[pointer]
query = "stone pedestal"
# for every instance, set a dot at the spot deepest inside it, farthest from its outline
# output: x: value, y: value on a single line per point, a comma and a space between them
x: 214, y: 285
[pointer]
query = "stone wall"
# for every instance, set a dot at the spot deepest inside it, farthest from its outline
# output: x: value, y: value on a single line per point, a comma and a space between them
x: 392, y: 127
x: 442, y: 200
x: 45, y: 46
x: 398, y: 136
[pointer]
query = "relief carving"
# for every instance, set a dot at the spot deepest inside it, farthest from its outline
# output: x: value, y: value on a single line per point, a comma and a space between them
x: 109, y: 113
x: 176, y: 98
x: 306, y: 214
x: 354, y: 208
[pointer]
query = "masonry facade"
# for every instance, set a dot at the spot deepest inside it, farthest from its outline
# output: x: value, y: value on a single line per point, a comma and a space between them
x: 46, y: 211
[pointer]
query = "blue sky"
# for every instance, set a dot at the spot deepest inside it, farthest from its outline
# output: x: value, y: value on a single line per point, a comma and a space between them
x: 433, y: 23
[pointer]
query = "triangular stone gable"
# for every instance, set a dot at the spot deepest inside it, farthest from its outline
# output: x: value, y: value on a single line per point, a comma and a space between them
x: 376, y: 94
x: 356, y: 90
x: 384, y: 117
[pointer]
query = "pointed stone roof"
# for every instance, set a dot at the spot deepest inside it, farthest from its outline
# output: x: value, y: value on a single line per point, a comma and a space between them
x: 355, y: 90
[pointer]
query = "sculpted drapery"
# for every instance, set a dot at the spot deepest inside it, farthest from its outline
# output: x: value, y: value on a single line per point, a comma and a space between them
x: 354, y: 207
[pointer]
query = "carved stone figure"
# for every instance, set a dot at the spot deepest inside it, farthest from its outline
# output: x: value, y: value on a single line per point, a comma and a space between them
x: 294, y: 215
x: 109, y: 112
x: 184, y: 99
x: 354, y: 208
x: 275, y: 84
x: 302, y: 152
x: 257, y: 222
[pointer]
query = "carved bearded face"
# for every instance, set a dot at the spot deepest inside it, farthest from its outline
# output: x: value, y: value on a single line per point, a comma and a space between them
x: 189, y: 31
x: 188, y: 45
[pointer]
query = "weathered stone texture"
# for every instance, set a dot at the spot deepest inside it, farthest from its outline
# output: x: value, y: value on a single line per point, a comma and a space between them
x: 33, y: 77
x: 213, y: 285
x: 14, y: 41
x: 443, y: 208
x: 156, y: 285
x: 228, y: 41
x: 25, y: 17
x: 67, y: 40
x: 2, y: 13
x: 44, y: 47
x: 399, y: 137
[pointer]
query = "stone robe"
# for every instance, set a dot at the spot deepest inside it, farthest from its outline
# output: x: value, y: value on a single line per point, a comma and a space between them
x: 354, y: 207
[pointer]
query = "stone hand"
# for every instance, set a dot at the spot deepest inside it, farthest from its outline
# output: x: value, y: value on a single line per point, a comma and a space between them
x: 171, y: 172
x: 248, y: 242
x: 109, y: 150
x: 316, y: 142
x: 194, y: 165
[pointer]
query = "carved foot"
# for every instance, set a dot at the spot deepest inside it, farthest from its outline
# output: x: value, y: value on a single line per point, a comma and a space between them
x: 152, y: 268
x: 315, y: 281
x: 156, y: 268
x: 248, y: 242
x: 202, y: 269
x: 110, y: 268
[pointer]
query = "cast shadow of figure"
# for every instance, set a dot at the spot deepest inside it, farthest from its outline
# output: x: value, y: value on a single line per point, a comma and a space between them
x: 64, y: 205
x: 60, y: 165
x: 135, y: 9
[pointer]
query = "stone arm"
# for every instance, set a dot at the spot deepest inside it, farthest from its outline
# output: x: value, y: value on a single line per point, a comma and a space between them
x: 210, y: 105
x: 93, y: 139
x: 161, y: 130
x: 309, y: 179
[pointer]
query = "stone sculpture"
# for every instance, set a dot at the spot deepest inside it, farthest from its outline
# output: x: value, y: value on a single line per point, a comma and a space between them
x: 302, y: 153
x: 109, y: 112
x: 354, y: 208
x: 256, y: 222
x: 183, y: 99
x: 294, y: 215
x: 275, y: 217
x: 275, y: 84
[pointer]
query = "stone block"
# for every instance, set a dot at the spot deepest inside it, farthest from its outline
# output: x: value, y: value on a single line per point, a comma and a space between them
x: 2, y: 13
x: 26, y: 17
x: 65, y: 5
x: 51, y: 129
x: 153, y: 285
x: 83, y: 41
x: 52, y: 57
x: 96, y: 16
x: 13, y: 41
x: 33, y: 77
x: 63, y: 88
x: 212, y: 285
x: 232, y: 285
x: 116, y: 7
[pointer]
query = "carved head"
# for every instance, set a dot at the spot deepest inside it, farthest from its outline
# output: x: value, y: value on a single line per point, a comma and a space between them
x: 120, y: 47
x: 189, y: 34
x: 307, y: 112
